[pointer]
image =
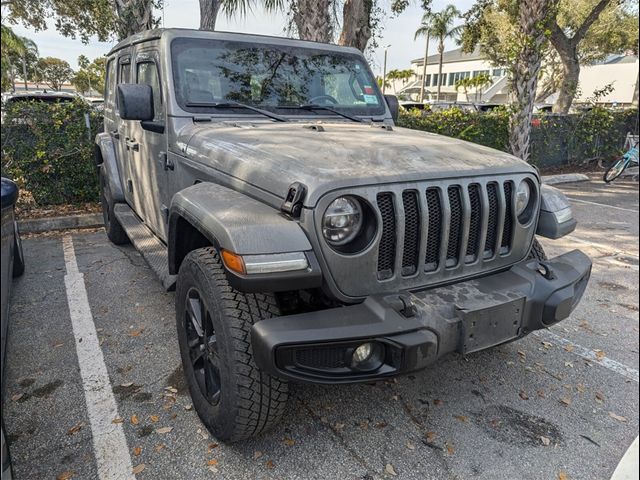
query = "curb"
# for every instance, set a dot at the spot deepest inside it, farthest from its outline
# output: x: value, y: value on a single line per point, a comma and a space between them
x: 39, y: 225
x: 565, y: 178
x: 627, y: 469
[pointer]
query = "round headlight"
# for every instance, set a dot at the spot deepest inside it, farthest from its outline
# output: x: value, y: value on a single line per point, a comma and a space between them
x: 342, y: 220
x: 523, y: 196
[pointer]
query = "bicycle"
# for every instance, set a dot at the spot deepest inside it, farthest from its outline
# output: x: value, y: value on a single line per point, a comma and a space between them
x: 630, y: 158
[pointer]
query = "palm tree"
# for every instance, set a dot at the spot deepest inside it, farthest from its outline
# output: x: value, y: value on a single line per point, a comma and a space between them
x: 28, y: 56
x: 424, y: 30
x: 12, y: 47
x: 441, y: 27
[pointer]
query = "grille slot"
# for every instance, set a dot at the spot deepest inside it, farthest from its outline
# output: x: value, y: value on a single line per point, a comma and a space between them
x: 455, y: 225
x: 321, y: 358
x: 505, y: 245
x: 492, y: 228
x: 387, y: 249
x: 411, y: 232
x: 434, y: 234
x: 475, y: 224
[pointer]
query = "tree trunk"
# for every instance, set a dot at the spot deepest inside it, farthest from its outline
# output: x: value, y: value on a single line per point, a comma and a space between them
x: 133, y: 16
x: 209, y: 14
x: 424, y: 69
x: 441, y: 51
x: 313, y: 20
x: 356, y: 24
x: 524, y: 73
x: 569, y: 84
x: 24, y: 72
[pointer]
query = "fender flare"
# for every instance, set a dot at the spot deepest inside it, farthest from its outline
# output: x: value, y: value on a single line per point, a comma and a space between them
x: 556, y: 217
x: 106, y: 159
x: 233, y: 221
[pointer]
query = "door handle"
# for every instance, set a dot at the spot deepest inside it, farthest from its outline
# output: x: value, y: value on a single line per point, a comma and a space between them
x: 132, y: 144
x: 116, y: 134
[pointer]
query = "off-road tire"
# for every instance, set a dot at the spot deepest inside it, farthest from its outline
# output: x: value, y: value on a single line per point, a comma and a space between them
x: 114, y: 230
x: 537, y: 252
x: 18, y: 254
x: 250, y: 401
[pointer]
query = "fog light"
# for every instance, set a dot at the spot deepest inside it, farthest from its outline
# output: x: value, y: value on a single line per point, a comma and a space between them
x: 367, y: 356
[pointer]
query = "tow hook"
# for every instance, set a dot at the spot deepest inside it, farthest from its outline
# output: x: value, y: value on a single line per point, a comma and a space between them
x: 545, y: 270
x: 403, y: 305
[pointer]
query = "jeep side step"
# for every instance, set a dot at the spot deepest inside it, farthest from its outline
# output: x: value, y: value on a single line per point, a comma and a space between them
x: 150, y: 246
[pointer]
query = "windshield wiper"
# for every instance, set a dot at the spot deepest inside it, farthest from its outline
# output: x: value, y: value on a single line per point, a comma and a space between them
x: 313, y: 106
x: 237, y: 105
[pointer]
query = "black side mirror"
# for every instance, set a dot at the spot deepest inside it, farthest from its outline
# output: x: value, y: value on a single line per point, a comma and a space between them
x: 394, y: 106
x: 135, y: 101
x: 8, y: 194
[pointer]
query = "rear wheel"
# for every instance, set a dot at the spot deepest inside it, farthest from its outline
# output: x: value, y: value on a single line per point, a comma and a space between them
x: 234, y: 399
x: 615, y: 170
x: 114, y: 230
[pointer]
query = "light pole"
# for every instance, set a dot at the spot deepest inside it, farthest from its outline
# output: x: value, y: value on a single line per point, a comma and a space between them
x: 384, y: 70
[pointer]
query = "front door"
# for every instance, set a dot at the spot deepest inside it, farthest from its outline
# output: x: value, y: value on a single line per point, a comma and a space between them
x: 148, y: 149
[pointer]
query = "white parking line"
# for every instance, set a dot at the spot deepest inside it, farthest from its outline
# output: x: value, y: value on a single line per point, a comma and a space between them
x: 588, y: 354
x: 109, y: 442
x: 608, y: 248
x: 602, y: 205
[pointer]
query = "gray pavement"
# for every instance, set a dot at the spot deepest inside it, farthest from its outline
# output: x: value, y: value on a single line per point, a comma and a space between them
x: 531, y: 409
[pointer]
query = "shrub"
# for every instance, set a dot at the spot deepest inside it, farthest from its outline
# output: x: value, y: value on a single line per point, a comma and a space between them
x: 47, y: 148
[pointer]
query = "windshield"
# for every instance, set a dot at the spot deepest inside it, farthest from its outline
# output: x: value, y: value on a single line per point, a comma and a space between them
x: 274, y: 77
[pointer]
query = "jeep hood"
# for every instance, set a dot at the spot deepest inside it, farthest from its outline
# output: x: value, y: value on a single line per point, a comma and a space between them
x: 329, y: 156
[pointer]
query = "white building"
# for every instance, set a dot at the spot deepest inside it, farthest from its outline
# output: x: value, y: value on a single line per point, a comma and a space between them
x: 620, y: 71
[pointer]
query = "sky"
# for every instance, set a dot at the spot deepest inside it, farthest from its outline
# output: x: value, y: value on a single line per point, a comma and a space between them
x: 398, y: 32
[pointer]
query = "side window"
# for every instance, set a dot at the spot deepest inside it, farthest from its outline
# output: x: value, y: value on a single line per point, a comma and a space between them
x: 124, y: 72
x: 147, y: 74
x: 110, y: 84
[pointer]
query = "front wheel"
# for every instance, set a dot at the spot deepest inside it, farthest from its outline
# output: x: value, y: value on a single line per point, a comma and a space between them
x: 615, y: 170
x: 114, y: 230
x: 537, y: 251
x: 233, y: 398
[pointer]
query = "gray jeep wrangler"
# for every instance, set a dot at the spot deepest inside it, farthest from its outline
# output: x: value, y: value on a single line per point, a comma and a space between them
x: 307, y: 237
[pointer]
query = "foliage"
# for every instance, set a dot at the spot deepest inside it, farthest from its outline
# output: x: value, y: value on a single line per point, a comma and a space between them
x: 477, y: 83
x: 54, y: 72
x: 556, y: 139
x: 84, y: 18
x: 19, y: 55
x: 90, y: 76
x: 48, y: 150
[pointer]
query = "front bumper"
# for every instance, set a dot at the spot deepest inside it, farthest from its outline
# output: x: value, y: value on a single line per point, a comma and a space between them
x: 411, y: 330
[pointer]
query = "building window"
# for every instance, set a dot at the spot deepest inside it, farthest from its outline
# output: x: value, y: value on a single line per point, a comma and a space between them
x: 498, y: 72
x: 428, y: 80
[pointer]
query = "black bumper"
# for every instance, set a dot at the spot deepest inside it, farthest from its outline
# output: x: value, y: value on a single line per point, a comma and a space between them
x: 411, y: 330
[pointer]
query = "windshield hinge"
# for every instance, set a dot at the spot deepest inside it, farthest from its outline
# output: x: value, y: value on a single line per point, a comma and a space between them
x: 293, y: 202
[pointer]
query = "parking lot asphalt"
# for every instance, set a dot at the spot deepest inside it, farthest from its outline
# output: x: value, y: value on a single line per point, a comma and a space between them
x: 558, y: 404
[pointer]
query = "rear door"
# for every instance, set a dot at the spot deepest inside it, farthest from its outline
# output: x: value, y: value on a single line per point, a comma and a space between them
x: 120, y: 131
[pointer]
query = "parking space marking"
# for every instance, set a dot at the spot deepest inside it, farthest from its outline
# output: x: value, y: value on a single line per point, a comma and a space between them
x: 588, y: 354
x: 109, y: 442
x: 601, y: 204
x: 601, y: 246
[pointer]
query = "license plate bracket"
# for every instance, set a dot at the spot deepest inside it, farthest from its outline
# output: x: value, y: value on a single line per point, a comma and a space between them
x: 488, y: 326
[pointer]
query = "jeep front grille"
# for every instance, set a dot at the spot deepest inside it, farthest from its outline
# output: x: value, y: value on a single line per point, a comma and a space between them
x: 456, y: 211
x: 430, y: 232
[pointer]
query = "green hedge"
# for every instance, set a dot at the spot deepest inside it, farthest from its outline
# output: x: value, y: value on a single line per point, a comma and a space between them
x: 47, y: 148
x: 555, y: 139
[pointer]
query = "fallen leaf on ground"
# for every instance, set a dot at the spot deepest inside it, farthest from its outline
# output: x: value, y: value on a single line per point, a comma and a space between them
x: 450, y: 449
x: 171, y: 389
x: 159, y: 447
x: 134, y: 420
x: 154, y: 418
x: 565, y: 401
x: 213, y: 461
x: 137, y: 451
x: 188, y: 407
x: 257, y: 454
x: 437, y: 402
x: 138, y: 468
x: 569, y: 348
x: 16, y: 397
x: 126, y: 385
x: 136, y: 333
x: 289, y: 442
x: 599, y: 354
x: 117, y: 420
x: 545, y: 440
x: 76, y: 428
x: 541, y: 394
x: 580, y: 388
x: 270, y: 465
x: 461, y: 418
x: 547, y: 344
x: 562, y: 476
x: 338, y: 426
x: 65, y: 476
x: 523, y: 395
x: 212, y: 446
x: 411, y: 446
x: 59, y: 344
x: 430, y: 436
x: 381, y: 424
x: 617, y: 417
x: 390, y: 470
x: 599, y: 397
x: 164, y: 430
x: 213, y: 469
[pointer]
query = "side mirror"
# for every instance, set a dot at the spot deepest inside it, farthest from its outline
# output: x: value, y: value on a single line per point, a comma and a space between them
x: 394, y: 106
x: 8, y: 194
x: 135, y: 101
